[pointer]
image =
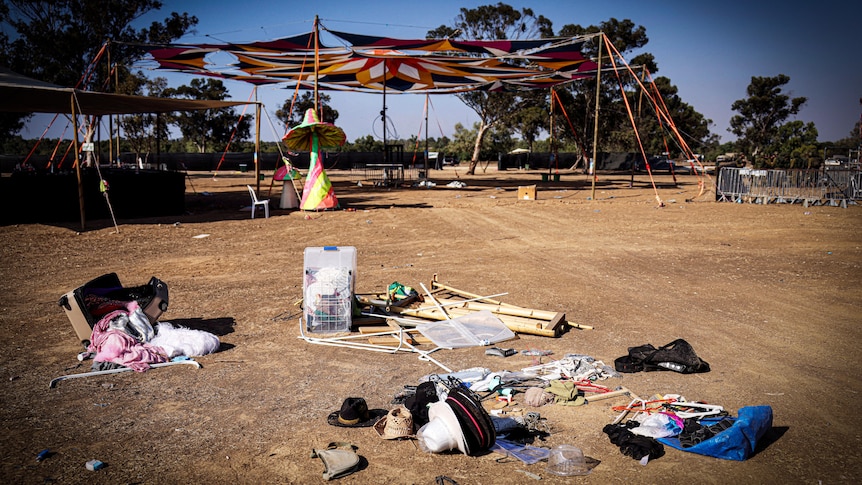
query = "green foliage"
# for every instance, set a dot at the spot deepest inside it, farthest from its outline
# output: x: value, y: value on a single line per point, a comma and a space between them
x: 761, y: 116
x: 58, y: 41
x: 656, y: 133
x: 851, y: 142
x: 211, y: 126
x: 463, y: 142
x: 291, y: 114
x: 366, y: 143
x: 797, y: 147
x: 144, y: 131
x: 579, y: 97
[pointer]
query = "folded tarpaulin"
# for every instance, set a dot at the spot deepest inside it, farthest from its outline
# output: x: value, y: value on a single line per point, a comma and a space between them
x: 735, y: 443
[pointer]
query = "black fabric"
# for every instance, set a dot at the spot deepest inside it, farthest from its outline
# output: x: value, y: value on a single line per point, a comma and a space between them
x: 425, y: 394
x: 693, y: 433
x: 679, y: 353
x: 631, y: 444
x: 479, y: 433
x: 627, y: 364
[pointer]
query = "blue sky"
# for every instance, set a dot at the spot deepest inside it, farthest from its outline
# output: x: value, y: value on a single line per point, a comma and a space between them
x: 709, y: 50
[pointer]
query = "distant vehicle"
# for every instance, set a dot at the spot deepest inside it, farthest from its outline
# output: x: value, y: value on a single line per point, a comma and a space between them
x: 450, y: 160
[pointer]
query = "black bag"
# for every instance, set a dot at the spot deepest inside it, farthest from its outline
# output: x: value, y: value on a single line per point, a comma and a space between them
x: 678, y: 356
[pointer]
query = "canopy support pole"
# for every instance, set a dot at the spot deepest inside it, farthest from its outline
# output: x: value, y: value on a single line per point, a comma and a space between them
x: 595, y: 163
x: 77, y: 162
x: 427, y: 105
x: 316, y: 67
x: 383, y: 118
x: 256, y: 140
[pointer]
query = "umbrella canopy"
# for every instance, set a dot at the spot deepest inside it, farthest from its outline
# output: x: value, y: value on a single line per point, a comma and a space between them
x: 300, y: 137
x: 312, y: 135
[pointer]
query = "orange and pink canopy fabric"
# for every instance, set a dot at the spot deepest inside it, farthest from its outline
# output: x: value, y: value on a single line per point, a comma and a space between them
x: 371, y: 63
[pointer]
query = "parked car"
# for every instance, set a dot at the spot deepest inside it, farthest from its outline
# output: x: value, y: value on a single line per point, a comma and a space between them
x: 450, y: 160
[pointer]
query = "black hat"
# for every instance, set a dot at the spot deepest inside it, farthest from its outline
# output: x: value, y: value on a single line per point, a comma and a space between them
x: 354, y: 413
x: 479, y: 434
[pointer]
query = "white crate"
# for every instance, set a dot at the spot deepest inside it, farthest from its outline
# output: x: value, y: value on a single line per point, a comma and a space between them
x: 329, y: 282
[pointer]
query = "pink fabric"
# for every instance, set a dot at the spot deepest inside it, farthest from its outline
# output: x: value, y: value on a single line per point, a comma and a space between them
x: 111, y: 345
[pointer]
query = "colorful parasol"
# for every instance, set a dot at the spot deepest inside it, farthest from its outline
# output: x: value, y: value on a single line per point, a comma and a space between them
x: 311, y: 135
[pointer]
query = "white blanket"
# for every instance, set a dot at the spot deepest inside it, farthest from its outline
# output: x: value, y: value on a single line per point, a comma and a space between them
x: 178, y: 341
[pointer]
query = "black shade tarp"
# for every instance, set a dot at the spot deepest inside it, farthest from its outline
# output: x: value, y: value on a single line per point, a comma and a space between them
x: 20, y: 94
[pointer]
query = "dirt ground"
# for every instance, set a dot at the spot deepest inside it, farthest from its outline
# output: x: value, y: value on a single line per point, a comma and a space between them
x: 769, y: 295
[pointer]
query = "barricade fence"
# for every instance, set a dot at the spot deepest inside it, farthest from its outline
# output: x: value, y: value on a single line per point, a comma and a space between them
x: 385, y: 174
x: 807, y: 186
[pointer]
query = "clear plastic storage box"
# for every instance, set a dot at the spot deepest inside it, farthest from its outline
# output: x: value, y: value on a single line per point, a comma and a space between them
x: 328, y: 287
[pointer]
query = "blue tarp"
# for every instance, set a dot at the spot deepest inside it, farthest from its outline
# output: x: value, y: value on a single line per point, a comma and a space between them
x: 735, y: 443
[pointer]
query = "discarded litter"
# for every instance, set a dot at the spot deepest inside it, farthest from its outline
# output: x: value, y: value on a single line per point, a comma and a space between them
x: 94, y: 465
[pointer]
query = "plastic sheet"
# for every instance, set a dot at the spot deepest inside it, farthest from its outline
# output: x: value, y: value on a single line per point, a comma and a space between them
x: 473, y: 330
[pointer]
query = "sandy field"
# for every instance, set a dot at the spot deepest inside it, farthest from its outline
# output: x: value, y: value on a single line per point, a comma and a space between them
x: 769, y: 295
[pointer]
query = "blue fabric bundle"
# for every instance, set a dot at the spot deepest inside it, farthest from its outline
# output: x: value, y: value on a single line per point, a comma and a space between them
x: 735, y: 443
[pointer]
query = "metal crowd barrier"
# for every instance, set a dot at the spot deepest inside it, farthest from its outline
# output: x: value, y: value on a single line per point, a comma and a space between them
x: 384, y: 174
x: 807, y: 186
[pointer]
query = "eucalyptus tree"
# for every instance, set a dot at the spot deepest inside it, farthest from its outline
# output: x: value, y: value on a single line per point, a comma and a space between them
x: 210, y: 128
x: 493, y: 22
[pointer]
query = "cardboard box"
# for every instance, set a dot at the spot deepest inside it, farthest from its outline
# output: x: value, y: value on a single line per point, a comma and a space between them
x: 527, y: 192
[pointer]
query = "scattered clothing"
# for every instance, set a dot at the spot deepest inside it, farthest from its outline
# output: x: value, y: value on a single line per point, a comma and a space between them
x: 112, y: 343
x: 630, y: 444
x: 695, y: 433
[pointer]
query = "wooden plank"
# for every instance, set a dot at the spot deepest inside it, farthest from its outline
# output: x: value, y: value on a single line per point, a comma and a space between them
x: 514, y: 323
x: 375, y: 329
x: 365, y: 321
x: 414, y: 334
x: 389, y: 341
x: 557, y: 324
x: 505, y: 310
x: 437, y: 284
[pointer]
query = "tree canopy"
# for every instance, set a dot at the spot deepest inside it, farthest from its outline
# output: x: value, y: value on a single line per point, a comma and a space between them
x: 291, y: 113
x: 493, y: 22
x: 205, y: 127
x: 59, y: 41
x: 761, y: 116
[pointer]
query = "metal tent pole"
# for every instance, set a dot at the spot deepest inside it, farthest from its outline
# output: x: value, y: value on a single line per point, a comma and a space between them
x: 595, y: 163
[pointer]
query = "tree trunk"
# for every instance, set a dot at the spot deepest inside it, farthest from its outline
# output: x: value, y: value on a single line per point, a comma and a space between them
x: 480, y: 136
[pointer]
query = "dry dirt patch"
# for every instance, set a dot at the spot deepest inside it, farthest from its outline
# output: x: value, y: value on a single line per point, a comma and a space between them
x: 768, y: 295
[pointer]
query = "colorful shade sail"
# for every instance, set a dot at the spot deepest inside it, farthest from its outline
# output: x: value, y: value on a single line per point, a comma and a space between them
x: 372, y: 63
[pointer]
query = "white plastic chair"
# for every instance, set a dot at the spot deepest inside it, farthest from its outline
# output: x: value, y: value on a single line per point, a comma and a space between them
x: 255, y: 202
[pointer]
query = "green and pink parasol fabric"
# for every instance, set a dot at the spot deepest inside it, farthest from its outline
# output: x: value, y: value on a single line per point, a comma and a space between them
x: 311, y: 135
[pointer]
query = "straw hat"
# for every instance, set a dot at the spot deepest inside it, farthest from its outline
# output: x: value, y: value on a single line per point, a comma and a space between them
x: 398, y: 423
